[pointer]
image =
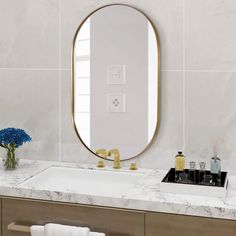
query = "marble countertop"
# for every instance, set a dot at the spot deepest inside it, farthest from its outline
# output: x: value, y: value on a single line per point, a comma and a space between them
x: 145, y: 195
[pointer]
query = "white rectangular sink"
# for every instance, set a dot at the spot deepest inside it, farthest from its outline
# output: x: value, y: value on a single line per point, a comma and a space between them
x: 84, y: 181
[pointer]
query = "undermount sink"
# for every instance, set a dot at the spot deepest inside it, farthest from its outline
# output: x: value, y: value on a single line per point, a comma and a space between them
x: 84, y: 181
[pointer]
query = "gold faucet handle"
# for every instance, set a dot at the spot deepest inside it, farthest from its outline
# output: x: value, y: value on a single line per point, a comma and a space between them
x: 101, y: 164
x: 133, y: 166
x: 102, y: 152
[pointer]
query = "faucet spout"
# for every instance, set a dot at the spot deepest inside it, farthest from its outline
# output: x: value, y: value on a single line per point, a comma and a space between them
x: 116, y: 154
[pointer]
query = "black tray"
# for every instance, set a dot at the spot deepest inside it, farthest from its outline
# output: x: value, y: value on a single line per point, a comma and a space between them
x: 170, y: 178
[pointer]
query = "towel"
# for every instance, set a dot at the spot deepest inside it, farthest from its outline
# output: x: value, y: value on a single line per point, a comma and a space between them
x: 37, y: 230
x: 96, y: 234
x: 65, y: 230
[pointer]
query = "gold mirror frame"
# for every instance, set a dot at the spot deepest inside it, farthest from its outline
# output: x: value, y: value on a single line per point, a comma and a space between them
x: 158, y: 81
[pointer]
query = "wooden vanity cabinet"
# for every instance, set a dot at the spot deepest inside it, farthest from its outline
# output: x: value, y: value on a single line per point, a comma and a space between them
x: 113, y: 222
x: 161, y: 224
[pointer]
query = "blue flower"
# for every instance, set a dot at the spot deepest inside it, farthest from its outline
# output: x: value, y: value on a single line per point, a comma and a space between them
x: 13, y: 136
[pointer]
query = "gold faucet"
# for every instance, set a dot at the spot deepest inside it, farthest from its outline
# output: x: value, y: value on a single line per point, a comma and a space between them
x: 102, y: 153
x: 116, y: 154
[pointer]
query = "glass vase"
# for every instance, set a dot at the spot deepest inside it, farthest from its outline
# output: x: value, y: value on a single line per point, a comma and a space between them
x: 10, y: 162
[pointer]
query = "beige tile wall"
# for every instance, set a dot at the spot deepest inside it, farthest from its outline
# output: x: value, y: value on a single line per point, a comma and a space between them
x: 29, y: 100
x: 198, y: 63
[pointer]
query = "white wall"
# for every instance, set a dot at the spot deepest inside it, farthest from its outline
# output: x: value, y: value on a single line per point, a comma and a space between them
x: 198, y: 70
x: 130, y: 34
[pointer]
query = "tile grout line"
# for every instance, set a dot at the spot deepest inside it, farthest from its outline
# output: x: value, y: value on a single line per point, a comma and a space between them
x: 184, y: 84
x: 59, y: 77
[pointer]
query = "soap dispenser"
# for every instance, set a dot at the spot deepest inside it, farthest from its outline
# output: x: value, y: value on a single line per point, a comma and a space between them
x: 179, y: 165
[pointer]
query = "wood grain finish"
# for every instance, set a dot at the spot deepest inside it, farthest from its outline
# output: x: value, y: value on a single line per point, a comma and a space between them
x: 158, y: 224
x: 113, y: 222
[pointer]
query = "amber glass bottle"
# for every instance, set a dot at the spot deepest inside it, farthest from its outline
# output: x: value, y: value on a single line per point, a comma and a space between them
x: 179, y: 165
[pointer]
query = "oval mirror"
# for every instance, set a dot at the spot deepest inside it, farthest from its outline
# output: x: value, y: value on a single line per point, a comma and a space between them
x: 115, y: 81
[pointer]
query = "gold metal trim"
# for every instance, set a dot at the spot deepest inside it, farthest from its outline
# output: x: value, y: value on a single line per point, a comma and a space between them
x: 158, y: 81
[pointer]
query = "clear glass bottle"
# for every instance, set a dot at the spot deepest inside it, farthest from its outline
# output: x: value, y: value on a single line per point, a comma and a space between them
x: 179, y: 165
x: 202, y: 171
x: 207, y: 179
x: 192, y: 172
x: 215, y: 168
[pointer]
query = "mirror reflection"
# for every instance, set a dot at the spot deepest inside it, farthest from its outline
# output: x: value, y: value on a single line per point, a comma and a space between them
x: 115, y: 81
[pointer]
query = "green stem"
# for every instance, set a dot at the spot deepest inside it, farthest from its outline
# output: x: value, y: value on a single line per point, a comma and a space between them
x: 10, y: 162
x: 3, y: 145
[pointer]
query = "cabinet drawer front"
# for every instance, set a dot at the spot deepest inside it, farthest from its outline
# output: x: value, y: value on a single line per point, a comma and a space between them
x: 158, y: 224
x: 113, y: 222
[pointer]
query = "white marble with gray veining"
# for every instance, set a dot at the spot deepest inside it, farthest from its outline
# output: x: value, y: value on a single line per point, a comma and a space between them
x: 145, y: 195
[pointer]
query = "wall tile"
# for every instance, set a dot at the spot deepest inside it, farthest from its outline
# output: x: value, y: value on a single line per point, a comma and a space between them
x: 210, y: 116
x: 31, y: 97
x: 72, y: 150
x: 30, y: 100
x: 210, y: 34
x: 29, y: 34
x: 166, y: 15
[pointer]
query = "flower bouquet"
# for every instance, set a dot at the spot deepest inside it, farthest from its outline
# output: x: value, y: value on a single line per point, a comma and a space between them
x: 11, y: 139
